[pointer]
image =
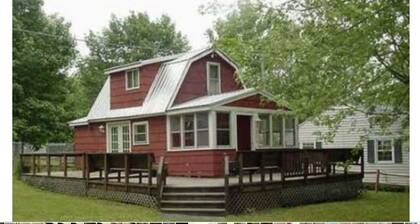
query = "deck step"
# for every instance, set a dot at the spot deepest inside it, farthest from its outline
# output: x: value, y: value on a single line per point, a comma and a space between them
x: 193, y: 193
x: 193, y: 189
x: 195, y: 211
x: 193, y: 201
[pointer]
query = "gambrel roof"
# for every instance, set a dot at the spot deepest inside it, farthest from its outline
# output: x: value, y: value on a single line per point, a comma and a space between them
x: 162, y: 92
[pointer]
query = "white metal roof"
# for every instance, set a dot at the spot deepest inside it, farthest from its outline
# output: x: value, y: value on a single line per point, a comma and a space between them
x: 215, y: 99
x: 162, y: 92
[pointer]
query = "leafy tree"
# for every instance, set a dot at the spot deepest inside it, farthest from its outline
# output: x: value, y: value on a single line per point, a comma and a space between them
x: 40, y: 87
x: 314, y: 55
x: 125, y: 40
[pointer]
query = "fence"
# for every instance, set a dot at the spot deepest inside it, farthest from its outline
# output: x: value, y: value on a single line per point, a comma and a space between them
x: 48, y: 148
x: 380, y: 173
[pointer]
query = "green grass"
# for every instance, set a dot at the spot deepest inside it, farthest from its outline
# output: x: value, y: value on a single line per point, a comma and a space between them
x: 32, y: 204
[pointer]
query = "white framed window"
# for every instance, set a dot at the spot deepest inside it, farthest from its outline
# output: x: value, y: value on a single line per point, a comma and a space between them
x: 141, y: 133
x: 132, y: 79
x: 213, y: 78
x: 223, y: 129
x: 385, y: 150
x: 290, y: 131
x: 202, y: 127
x: 276, y: 131
x: 118, y: 137
x: 264, y: 130
x: 188, y: 130
x: 277, y: 125
x: 175, y: 131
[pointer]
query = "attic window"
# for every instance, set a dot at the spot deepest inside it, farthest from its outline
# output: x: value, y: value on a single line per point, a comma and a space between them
x: 132, y: 79
x: 213, y: 78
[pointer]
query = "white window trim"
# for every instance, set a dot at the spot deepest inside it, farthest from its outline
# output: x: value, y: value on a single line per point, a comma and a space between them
x: 208, y: 76
x: 138, y: 79
x: 146, y: 123
x: 108, y: 139
x: 392, y: 150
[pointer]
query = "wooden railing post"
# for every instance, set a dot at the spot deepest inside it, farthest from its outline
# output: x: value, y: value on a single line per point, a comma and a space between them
x: 87, y: 168
x: 149, y: 169
x: 65, y: 165
x: 241, y: 173
x: 84, y: 163
x: 362, y: 163
x: 282, y: 168
x: 48, y: 165
x: 160, y: 177
x: 378, y: 173
x: 327, y: 164
x: 106, y: 170
x: 126, y: 171
x: 262, y: 171
x: 305, y: 168
x: 33, y: 165
x: 226, y: 174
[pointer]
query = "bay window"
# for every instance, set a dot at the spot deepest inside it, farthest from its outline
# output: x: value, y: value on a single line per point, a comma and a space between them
x: 277, y: 130
x: 175, y: 130
x: 189, y: 130
x: 264, y: 132
x: 223, y: 129
x: 202, y: 129
x: 289, y: 131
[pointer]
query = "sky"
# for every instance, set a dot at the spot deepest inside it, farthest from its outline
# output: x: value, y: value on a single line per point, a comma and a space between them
x: 95, y: 14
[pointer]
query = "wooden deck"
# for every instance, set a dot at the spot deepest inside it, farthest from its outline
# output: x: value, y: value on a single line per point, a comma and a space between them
x: 257, y: 171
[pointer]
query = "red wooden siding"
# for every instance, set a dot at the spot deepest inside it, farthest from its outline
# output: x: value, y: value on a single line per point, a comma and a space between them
x: 203, y: 163
x: 88, y: 138
x: 120, y: 97
x: 253, y: 102
x: 195, y: 82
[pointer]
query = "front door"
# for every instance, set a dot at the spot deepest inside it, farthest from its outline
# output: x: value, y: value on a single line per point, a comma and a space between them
x: 119, y: 138
x: 243, y: 124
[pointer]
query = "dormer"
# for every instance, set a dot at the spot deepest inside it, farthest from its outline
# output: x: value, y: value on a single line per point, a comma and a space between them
x: 210, y: 74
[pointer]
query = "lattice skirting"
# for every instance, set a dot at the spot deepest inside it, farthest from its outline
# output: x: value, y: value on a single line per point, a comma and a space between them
x: 298, y: 193
x: 78, y: 188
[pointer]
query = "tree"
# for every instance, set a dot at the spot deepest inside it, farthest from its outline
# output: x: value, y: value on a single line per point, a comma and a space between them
x: 42, y: 51
x: 125, y: 40
x: 314, y: 55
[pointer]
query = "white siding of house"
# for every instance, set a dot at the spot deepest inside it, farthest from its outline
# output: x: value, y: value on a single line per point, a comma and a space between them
x: 348, y: 136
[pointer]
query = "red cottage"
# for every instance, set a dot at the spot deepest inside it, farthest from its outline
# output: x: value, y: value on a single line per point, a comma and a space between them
x: 186, y: 106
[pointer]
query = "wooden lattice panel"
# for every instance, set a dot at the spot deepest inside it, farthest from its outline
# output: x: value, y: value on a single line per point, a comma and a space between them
x: 293, y: 195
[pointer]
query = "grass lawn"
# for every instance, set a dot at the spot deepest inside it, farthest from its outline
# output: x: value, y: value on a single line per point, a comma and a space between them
x: 32, y: 204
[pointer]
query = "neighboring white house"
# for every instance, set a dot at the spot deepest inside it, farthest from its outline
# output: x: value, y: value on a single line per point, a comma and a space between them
x: 386, y: 153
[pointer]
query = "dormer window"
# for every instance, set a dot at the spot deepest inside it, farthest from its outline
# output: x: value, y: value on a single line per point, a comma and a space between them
x: 132, y: 79
x: 213, y: 78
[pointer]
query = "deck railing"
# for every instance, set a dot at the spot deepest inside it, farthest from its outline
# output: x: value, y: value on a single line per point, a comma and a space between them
x: 284, y: 164
x: 118, y: 170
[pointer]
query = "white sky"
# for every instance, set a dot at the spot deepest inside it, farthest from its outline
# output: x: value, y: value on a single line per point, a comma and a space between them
x: 86, y: 15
